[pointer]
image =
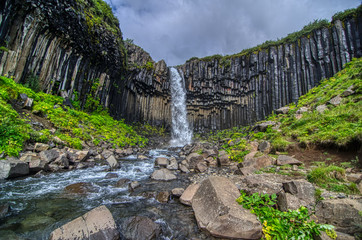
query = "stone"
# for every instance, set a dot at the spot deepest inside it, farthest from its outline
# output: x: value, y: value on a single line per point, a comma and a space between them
x: 188, y: 194
x: 344, y: 214
x: 111, y: 175
x: 38, y: 165
x: 140, y: 228
x: 106, y: 153
x: 12, y: 168
x: 266, y: 183
x: 349, y: 91
x: 335, y: 101
x: 133, y: 185
x: 40, y: 147
x: 4, y: 210
x: 28, y: 104
x: 122, y: 183
x: 95, y: 224
x: 82, y: 156
x: 98, y: 157
x: 161, y: 162
x: 265, y: 147
x: 201, y: 167
x: 183, y: 168
x: 81, y: 188
x: 112, y: 162
x: 261, y: 127
x: 354, y: 177
x: 163, y: 196
x: 217, y: 212
x: 173, y: 165
x: 287, y: 160
x: 28, y: 157
x: 193, y: 159
x: 211, y: 161
x: 257, y: 163
x: 177, y: 192
x: 223, y: 159
x: 282, y: 110
x: 321, y: 108
x: 302, y: 110
x: 49, y: 155
x: 62, y: 161
x: 163, y: 175
x: 142, y: 157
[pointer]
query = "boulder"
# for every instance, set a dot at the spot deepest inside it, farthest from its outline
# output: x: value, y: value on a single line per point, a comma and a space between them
x: 142, y: 157
x: 177, y: 192
x: 201, y: 167
x: 349, y: 91
x: 140, y: 228
x: 95, y: 224
x: 163, y: 175
x: 28, y: 157
x: 183, y: 168
x: 112, y: 162
x: 223, y: 159
x: 344, y: 214
x: 161, y: 162
x: 133, y: 185
x: 335, y: 101
x: 282, y: 110
x: 62, y: 161
x: 81, y: 156
x: 296, y: 194
x: 302, y: 110
x: 217, y: 211
x: 4, y: 210
x: 172, y: 164
x: 261, y: 127
x: 287, y: 160
x: 188, y: 194
x: 49, y: 155
x: 211, y: 161
x: 122, y: 183
x: 106, y: 153
x: 257, y: 163
x: 163, y: 196
x: 265, y: 147
x: 40, y: 147
x: 266, y: 183
x: 81, y: 188
x: 38, y: 165
x: 111, y: 175
x: 12, y: 168
x: 321, y: 108
x: 193, y: 159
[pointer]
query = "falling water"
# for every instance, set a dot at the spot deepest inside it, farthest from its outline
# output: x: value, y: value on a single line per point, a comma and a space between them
x: 181, y: 132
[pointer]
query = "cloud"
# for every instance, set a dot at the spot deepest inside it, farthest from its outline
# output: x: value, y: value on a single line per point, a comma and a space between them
x: 176, y: 30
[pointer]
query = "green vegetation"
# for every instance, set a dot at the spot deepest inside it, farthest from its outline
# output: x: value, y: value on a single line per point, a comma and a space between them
x: 292, y: 38
x: 332, y: 178
x: 72, y: 126
x: 32, y: 82
x: 4, y: 49
x: 293, y: 224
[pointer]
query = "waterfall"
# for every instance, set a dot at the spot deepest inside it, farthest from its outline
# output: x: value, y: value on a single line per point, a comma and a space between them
x: 181, y: 132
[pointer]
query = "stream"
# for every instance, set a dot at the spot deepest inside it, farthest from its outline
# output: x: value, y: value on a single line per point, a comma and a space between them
x: 40, y: 205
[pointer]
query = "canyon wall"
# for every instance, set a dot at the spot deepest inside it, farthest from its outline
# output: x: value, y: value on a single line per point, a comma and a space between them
x: 239, y: 90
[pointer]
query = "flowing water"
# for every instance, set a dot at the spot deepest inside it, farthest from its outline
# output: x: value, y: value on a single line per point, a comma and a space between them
x: 181, y: 132
x: 40, y: 205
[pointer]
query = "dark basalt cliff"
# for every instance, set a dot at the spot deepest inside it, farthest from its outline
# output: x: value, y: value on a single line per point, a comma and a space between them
x: 242, y: 89
x: 68, y: 47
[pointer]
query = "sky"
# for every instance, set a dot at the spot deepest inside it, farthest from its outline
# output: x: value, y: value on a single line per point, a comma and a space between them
x: 176, y: 30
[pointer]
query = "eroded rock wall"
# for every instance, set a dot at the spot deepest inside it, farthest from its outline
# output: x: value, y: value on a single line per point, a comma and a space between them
x: 245, y: 89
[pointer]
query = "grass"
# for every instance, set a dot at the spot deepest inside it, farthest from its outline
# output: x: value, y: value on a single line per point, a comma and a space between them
x: 72, y: 126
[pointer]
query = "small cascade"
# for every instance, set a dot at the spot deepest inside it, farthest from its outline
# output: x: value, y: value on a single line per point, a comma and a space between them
x: 181, y: 132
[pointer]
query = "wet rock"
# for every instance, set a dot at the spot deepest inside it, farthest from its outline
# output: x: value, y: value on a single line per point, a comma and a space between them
x: 81, y: 188
x: 49, y: 155
x: 161, y: 162
x: 133, y: 185
x: 140, y: 228
x: 163, y: 197
x: 282, y: 110
x: 122, y: 183
x: 142, y: 157
x: 95, y: 224
x: 172, y: 164
x: 163, y: 175
x: 4, y: 210
x: 217, y: 212
x: 177, y: 192
x: 111, y: 175
x: 321, y: 108
x: 335, y: 101
x: 265, y: 147
x: 35, y: 221
x: 188, y: 194
x: 12, y: 168
x: 287, y: 160
x: 183, y: 168
x: 112, y: 162
x: 40, y: 147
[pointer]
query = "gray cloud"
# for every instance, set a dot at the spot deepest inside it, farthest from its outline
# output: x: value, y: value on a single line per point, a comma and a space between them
x: 176, y: 30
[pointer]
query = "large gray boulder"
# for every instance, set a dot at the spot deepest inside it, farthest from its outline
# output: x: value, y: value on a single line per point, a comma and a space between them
x: 112, y: 162
x: 163, y: 174
x: 217, y: 212
x: 49, y: 155
x: 95, y: 224
x: 189, y: 193
x: 344, y: 214
x: 12, y: 168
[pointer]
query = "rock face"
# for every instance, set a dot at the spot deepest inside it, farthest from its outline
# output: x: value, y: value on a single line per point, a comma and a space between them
x: 140, y: 228
x: 12, y: 168
x: 217, y: 211
x: 95, y: 224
